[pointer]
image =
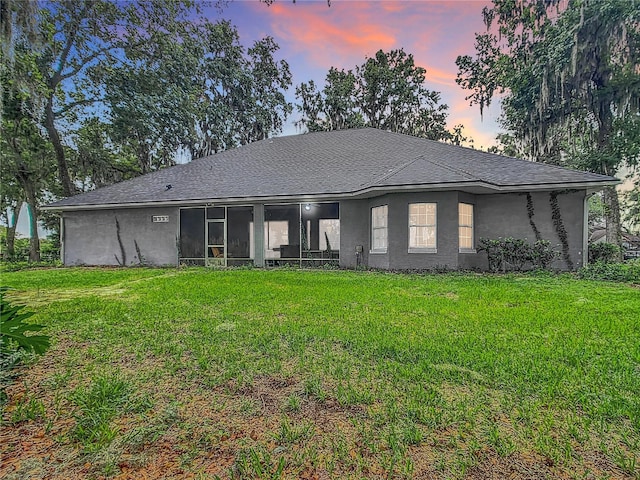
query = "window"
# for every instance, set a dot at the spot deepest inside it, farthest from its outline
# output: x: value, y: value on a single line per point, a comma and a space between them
x: 422, y: 227
x: 379, y: 229
x: 465, y: 227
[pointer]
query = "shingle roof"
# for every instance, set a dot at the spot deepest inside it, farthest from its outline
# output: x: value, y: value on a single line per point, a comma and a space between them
x: 331, y: 163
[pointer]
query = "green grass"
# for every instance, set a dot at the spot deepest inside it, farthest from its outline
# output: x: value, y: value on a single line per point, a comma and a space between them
x: 275, y: 374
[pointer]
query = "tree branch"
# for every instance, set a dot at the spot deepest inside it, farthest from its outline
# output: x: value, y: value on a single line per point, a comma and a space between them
x: 73, y: 105
x: 57, y: 76
x: 85, y: 61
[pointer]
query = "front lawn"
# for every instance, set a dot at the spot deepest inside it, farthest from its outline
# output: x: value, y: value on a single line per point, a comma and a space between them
x: 166, y: 373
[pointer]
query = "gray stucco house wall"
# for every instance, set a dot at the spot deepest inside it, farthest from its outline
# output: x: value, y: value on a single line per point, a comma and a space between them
x: 353, y: 171
x: 498, y: 215
x: 90, y: 237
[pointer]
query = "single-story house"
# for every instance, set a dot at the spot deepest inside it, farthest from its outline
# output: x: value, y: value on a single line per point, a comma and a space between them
x: 361, y: 197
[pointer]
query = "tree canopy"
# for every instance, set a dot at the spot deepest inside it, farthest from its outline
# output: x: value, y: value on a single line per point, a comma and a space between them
x: 387, y: 91
x: 117, y: 89
x: 568, y: 77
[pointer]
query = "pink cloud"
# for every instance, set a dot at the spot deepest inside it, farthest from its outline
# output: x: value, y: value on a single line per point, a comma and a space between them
x: 330, y: 36
x: 314, y: 37
x: 394, y: 7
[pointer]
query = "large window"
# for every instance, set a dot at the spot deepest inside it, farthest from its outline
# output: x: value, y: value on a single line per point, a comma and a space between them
x: 422, y: 227
x: 465, y: 227
x: 379, y: 228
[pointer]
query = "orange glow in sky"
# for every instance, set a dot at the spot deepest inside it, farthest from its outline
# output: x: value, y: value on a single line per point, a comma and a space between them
x: 314, y: 37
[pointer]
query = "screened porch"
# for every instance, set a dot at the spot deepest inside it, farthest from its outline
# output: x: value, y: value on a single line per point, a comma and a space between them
x: 304, y: 234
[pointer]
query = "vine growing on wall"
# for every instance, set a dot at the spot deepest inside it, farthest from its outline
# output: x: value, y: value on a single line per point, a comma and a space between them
x: 530, y: 213
x: 141, y: 259
x: 122, y: 262
x: 560, y: 229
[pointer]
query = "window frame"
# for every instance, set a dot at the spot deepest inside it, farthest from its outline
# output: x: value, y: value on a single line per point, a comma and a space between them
x: 469, y: 227
x: 375, y: 227
x: 423, y: 249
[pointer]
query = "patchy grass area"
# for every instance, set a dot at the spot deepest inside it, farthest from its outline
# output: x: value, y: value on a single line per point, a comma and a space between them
x: 325, y: 374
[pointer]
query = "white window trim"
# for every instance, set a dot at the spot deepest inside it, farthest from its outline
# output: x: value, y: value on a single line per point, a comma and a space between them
x: 423, y: 250
x: 435, y: 225
x: 472, y: 226
x: 379, y: 250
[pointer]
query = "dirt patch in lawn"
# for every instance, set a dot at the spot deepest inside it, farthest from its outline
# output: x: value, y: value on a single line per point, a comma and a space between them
x: 271, y: 425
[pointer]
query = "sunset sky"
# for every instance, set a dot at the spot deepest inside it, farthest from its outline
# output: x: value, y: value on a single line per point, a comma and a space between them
x: 314, y: 37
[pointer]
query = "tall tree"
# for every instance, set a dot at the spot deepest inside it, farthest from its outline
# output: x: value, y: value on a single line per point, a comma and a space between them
x: 632, y: 204
x: 10, y: 205
x: 202, y: 94
x: 333, y: 108
x: 387, y: 91
x: 241, y: 92
x: 17, y: 23
x: 26, y: 165
x: 81, y: 42
x: 98, y: 158
x: 568, y: 77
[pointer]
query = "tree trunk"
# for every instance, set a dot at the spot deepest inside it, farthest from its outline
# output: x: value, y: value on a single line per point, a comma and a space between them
x: 610, y: 196
x: 612, y: 215
x: 11, y: 230
x: 34, y: 242
x: 68, y: 188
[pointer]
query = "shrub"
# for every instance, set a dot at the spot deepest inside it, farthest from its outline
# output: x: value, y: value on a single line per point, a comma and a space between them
x: 615, y: 272
x: 604, y: 252
x: 15, y: 266
x: 49, y: 250
x: 15, y: 346
x: 542, y: 254
x: 506, y: 254
x: 516, y: 252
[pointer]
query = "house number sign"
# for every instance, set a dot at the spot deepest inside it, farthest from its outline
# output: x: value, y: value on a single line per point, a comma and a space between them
x: 160, y: 218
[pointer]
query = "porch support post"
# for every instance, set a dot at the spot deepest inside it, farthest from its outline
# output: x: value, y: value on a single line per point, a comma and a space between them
x: 62, y: 238
x: 585, y: 229
x: 258, y: 234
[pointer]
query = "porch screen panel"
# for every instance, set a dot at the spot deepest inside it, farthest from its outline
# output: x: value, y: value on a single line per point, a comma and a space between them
x: 282, y: 231
x: 239, y: 232
x: 329, y: 229
x: 329, y: 226
x: 216, y: 233
x: 192, y: 233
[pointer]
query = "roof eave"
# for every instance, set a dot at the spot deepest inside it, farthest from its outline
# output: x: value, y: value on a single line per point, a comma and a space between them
x: 363, y: 193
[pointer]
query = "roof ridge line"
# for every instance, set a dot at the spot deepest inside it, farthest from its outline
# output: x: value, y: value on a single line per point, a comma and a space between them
x: 457, y: 170
x: 394, y: 171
